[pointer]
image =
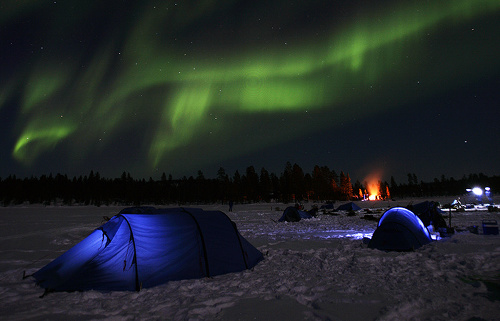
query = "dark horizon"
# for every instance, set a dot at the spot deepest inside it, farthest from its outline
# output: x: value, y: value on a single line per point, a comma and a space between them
x: 410, y: 178
x: 376, y: 173
x: 293, y: 185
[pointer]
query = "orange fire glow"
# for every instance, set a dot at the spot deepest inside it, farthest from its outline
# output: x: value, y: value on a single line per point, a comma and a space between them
x: 372, y: 193
x: 372, y: 185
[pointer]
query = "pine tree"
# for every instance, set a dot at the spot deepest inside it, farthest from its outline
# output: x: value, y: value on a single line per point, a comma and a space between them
x: 265, y: 184
x: 345, y: 186
x: 298, y: 182
x: 252, y: 183
x: 349, y: 187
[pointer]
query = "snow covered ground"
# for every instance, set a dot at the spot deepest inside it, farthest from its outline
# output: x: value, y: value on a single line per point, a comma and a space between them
x: 317, y: 269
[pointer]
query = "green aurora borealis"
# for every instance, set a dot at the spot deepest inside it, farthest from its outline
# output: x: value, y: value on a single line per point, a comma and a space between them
x: 196, y: 87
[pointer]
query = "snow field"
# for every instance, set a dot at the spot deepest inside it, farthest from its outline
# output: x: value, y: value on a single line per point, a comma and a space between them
x: 317, y: 269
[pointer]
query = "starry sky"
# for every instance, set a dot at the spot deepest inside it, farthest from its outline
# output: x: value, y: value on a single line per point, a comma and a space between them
x: 149, y: 87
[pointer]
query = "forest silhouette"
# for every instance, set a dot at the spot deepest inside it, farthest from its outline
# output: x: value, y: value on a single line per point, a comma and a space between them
x: 291, y: 185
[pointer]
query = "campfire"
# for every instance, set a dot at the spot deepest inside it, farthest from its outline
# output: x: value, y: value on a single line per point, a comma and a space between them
x: 373, y: 191
x: 372, y: 184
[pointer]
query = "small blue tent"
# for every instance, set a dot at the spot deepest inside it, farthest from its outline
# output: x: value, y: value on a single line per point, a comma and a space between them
x: 292, y: 214
x: 145, y: 247
x: 399, y: 230
x: 429, y: 213
x: 348, y: 207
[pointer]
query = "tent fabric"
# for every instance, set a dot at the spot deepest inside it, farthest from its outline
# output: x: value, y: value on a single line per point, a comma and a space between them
x: 399, y: 229
x: 348, y: 207
x: 429, y: 213
x: 292, y: 214
x: 145, y: 247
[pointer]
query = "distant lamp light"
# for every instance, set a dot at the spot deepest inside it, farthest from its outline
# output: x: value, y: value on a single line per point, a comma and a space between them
x: 469, y: 190
x: 487, y: 189
x: 477, y: 191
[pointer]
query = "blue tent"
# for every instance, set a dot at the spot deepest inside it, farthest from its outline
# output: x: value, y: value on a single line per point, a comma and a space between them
x: 429, y: 213
x: 145, y: 247
x: 348, y: 207
x: 399, y: 230
x: 292, y: 214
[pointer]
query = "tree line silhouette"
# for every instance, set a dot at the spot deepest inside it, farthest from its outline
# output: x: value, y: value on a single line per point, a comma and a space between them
x: 292, y: 185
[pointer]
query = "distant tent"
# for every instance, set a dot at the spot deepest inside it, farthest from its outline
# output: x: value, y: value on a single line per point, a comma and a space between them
x: 348, y: 207
x: 145, y: 247
x: 399, y: 230
x: 292, y: 214
x: 429, y: 212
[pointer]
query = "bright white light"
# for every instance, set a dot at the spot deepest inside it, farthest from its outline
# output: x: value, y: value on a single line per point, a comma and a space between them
x: 487, y: 189
x: 469, y: 189
x: 435, y: 237
x: 477, y: 191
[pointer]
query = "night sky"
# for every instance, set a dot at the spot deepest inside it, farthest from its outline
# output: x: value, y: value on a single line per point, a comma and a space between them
x: 149, y: 87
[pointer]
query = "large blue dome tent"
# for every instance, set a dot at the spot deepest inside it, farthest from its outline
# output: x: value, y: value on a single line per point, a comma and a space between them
x: 145, y: 247
x: 399, y: 230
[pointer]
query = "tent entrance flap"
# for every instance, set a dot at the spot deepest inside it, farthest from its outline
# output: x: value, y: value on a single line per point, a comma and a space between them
x: 134, y: 260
